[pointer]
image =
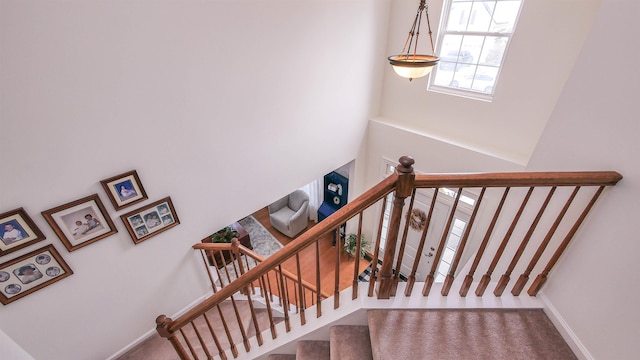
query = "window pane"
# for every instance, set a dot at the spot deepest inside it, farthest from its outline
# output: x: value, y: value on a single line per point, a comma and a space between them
x: 459, y: 15
x: 504, y: 18
x: 473, y: 44
x: 481, y: 14
x: 447, y: 256
x: 493, y: 50
x: 472, y: 48
x: 444, y: 268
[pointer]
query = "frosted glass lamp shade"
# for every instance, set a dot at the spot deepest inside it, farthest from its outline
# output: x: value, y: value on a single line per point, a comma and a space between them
x: 413, y: 66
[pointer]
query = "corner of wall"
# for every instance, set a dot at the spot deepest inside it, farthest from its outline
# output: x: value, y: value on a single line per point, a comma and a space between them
x: 566, y: 332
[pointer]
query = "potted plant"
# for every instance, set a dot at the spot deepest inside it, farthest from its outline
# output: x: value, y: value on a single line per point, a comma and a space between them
x: 224, y: 235
x: 350, y: 245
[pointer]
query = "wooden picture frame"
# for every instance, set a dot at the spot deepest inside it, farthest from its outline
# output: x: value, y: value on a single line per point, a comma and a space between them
x: 30, y: 273
x: 17, y: 231
x: 150, y: 220
x: 81, y: 222
x: 124, y: 190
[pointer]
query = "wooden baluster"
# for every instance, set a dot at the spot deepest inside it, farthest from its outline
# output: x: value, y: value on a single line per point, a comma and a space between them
x: 356, y: 265
x: 235, y: 246
x: 411, y: 279
x: 376, y: 249
x: 254, y: 319
x: 186, y: 340
x: 243, y: 332
x: 206, y: 266
x: 466, y: 284
x: 403, y: 243
x: 162, y: 327
x: 235, y: 252
x: 279, y: 287
x: 301, y: 304
x: 226, y: 271
x: 227, y: 331
x: 216, y: 341
x: 443, y: 241
x: 268, y: 289
x: 285, y: 302
x: 272, y: 323
x: 404, y: 188
x: 448, y: 281
x: 542, y: 277
x: 318, y: 288
x: 201, y: 340
x: 486, y: 278
x: 288, y: 294
x: 336, y: 286
x: 522, y: 280
x: 504, y: 279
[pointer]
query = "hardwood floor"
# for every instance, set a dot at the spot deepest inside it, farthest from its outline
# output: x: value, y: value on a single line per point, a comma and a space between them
x: 328, y: 259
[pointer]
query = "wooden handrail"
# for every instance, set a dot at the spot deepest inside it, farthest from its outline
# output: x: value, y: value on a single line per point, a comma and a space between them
x: 515, y: 179
x: 403, y: 183
x: 258, y: 258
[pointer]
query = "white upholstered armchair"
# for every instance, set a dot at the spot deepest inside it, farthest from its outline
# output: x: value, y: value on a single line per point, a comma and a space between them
x: 290, y: 215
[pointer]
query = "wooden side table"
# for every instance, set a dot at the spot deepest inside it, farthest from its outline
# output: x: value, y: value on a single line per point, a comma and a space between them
x: 243, y: 237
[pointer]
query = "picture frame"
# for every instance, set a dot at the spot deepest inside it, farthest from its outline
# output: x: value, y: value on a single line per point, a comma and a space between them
x: 81, y: 222
x: 124, y: 190
x: 31, y: 272
x: 17, y: 230
x: 150, y: 220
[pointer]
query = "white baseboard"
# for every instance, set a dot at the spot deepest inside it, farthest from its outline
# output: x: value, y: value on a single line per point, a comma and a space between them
x: 568, y: 335
x: 149, y: 333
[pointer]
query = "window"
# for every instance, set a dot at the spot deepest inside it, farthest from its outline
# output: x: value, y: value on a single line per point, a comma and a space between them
x: 453, y: 240
x: 472, y: 45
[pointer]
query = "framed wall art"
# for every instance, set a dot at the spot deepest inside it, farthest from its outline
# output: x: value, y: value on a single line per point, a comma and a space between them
x: 81, y: 222
x: 124, y: 189
x: 17, y: 231
x: 31, y: 272
x: 150, y: 220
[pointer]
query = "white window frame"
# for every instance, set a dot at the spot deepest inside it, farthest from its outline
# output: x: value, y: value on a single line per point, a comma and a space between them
x: 452, y: 90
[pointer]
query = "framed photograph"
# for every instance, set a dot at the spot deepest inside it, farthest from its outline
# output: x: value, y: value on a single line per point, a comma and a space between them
x: 81, y: 222
x: 124, y: 189
x: 150, y: 220
x: 17, y: 230
x: 31, y: 272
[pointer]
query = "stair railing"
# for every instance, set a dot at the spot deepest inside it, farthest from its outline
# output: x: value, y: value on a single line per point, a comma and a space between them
x: 509, y: 216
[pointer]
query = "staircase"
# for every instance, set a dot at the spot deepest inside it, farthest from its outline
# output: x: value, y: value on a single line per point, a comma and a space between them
x: 519, y: 226
x: 440, y: 334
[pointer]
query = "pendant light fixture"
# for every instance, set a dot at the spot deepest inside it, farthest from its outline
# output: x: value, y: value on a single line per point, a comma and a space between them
x: 409, y: 64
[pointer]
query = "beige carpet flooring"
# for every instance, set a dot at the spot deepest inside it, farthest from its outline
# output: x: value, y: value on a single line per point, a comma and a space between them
x: 465, y: 334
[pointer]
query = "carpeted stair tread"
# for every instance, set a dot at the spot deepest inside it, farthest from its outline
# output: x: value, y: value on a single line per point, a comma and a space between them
x: 350, y: 342
x: 313, y: 350
x: 263, y: 323
x: 465, y: 334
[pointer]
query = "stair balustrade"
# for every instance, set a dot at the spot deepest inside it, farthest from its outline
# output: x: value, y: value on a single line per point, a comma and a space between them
x: 518, y: 223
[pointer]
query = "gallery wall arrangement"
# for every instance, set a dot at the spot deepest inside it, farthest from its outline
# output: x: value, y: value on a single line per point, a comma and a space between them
x: 77, y: 224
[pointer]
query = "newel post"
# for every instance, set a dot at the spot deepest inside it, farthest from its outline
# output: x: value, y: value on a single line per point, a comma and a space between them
x: 404, y: 188
x: 162, y: 327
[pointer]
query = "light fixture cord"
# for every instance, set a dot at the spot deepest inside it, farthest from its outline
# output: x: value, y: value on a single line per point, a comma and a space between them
x: 426, y: 13
x: 407, y: 45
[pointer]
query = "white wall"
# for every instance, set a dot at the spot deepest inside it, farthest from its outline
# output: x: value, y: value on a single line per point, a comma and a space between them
x: 547, y: 39
x: 10, y: 350
x: 595, y: 126
x: 222, y: 105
